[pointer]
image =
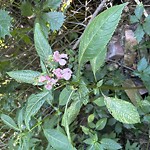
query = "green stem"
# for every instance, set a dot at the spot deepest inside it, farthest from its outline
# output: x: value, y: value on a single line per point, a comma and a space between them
x: 66, y: 118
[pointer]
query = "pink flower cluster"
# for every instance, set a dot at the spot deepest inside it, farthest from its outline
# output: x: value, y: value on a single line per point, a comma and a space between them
x: 58, y: 73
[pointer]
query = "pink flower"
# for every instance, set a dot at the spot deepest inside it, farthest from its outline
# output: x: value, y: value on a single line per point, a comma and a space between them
x: 59, y: 58
x: 48, y: 86
x: 66, y: 73
x: 62, y: 74
x: 42, y: 78
x: 58, y: 73
x: 50, y: 83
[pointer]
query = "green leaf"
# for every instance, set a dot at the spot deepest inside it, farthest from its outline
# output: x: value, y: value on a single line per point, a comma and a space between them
x: 146, y: 25
x: 101, y: 124
x: 26, y: 8
x: 122, y: 111
x: 43, y: 25
x: 71, y: 113
x: 99, y: 102
x: 142, y: 65
x: 9, y: 121
x: 52, y: 4
x: 35, y: 101
x: 55, y: 19
x: 133, y: 19
x: 99, y: 60
x: 139, y: 33
x: 57, y: 140
x: 65, y: 93
x: 139, y: 11
x: 20, y: 118
x: 5, y: 23
x: 110, y: 144
x: 41, y: 43
x: 26, y: 76
x: 98, y: 33
x: 90, y: 118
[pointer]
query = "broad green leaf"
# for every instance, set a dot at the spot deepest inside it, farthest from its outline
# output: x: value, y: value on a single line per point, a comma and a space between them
x: 139, y: 33
x: 139, y: 11
x: 26, y: 8
x: 110, y: 144
x: 9, y: 121
x: 26, y: 76
x: 98, y: 33
x: 71, y: 113
x: 52, y: 4
x: 101, y: 124
x: 99, y: 60
x: 55, y: 19
x: 122, y: 111
x: 41, y: 43
x: 34, y: 103
x: 146, y: 25
x: 57, y: 140
x: 65, y: 93
x: 142, y: 65
x: 5, y: 23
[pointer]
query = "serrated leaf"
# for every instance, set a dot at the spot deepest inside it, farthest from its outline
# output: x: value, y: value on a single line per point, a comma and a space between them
x: 139, y: 33
x: 110, y: 144
x: 52, y: 4
x: 63, y: 97
x: 57, y: 140
x: 26, y: 76
x: 34, y: 103
x: 146, y: 25
x: 98, y: 33
x: 55, y: 19
x: 142, y: 65
x: 41, y: 43
x: 99, y: 60
x: 139, y: 11
x: 26, y: 8
x: 122, y: 111
x: 5, y: 23
x: 9, y: 121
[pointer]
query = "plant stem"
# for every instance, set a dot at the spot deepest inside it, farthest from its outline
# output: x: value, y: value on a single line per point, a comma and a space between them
x: 66, y: 118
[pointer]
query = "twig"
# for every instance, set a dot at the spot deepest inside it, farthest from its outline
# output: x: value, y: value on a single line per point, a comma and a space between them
x: 93, y: 16
x: 138, y: 2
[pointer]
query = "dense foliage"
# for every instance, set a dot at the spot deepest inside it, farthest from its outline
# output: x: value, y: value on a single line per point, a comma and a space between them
x: 78, y: 101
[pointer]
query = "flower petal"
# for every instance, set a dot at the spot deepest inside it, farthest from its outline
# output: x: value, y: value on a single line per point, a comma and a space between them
x: 62, y: 62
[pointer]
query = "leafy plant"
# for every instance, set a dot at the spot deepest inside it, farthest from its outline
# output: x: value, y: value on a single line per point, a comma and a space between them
x: 142, y: 25
x: 65, y: 94
x: 5, y: 23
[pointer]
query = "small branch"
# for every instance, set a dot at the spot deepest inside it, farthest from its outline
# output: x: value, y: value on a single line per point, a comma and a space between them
x: 93, y: 16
